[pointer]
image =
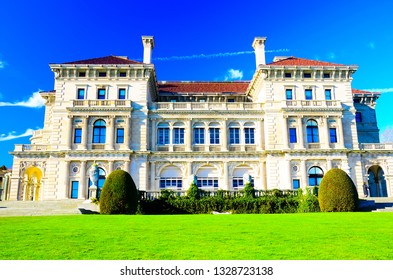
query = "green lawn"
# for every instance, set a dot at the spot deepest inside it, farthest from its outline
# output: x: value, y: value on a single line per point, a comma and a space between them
x: 314, y: 236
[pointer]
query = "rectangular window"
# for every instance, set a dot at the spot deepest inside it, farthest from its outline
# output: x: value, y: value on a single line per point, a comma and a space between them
x: 234, y: 136
x: 163, y: 136
x: 358, y: 117
x: 249, y: 136
x: 122, y: 74
x: 101, y: 93
x: 214, y: 135
x: 170, y: 182
x: 292, y: 135
x: 231, y: 100
x: 296, y: 184
x: 326, y: 75
x: 120, y: 135
x: 81, y: 93
x: 101, y: 74
x: 306, y: 75
x: 333, y: 135
x: 178, y: 135
x: 122, y: 93
x: 288, y: 93
x: 308, y: 93
x: 207, y: 182
x: 82, y: 74
x: 74, y: 189
x: 288, y: 75
x: 199, y: 136
x: 328, y: 94
x: 78, y: 135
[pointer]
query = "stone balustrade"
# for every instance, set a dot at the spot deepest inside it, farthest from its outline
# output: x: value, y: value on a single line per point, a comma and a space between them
x: 226, y: 106
x: 311, y: 103
x: 101, y: 103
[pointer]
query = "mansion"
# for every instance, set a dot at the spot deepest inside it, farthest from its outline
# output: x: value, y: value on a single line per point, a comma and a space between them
x: 296, y: 119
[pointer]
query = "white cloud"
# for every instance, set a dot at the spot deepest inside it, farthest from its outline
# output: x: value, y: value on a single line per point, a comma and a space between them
x: 2, y: 64
x: 233, y: 74
x: 34, y: 101
x: 11, y: 135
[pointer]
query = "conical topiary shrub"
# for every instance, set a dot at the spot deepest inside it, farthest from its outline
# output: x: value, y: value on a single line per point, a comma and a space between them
x: 119, y: 194
x: 337, y: 192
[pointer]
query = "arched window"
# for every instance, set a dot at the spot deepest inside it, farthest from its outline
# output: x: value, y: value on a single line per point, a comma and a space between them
x: 99, y: 131
x: 171, y: 177
x: 315, y: 175
x: 207, y: 177
x: 312, y: 131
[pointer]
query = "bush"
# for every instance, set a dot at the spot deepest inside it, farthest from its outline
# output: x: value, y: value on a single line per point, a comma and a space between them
x: 193, y: 192
x: 308, y: 202
x: 249, y: 190
x: 337, y: 192
x: 119, y: 194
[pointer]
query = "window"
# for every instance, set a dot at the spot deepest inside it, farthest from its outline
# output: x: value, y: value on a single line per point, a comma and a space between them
x: 214, y: 135
x: 207, y: 182
x: 288, y: 93
x: 78, y: 135
x: 306, y: 75
x: 81, y: 93
x: 358, y: 117
x: 99, y: 132
x: 312, y: 131
x: 333, y: 135
x: 315, y: 175
x: 328, y: 94
x: 288, y: 75
x: 122, y: 74
x: 295, y: 184
x: 199, y: 135
x: 234, y: 135
x: 82, y: 74
x: 101, y: 93
x: 170, y: 182
x: 238, y: 182
x: 74, y: 189
x: 249, y: 135
x: 120, y: 135
x: 101, y: 74
x: 231, y: 100
x: 163, y: 136
x: 292, y: 135
x: 308, y: 93
x: 326, y: 75
x: 178, y: 135
x: 122, y: 93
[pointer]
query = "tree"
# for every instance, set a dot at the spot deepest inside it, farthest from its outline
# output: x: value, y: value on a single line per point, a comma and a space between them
x: 119, y: 194
x: 337, y: 192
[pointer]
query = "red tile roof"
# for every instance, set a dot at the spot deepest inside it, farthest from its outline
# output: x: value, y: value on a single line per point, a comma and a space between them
x: 111, y: 59
x: 359, y: 91
x: 203, y: 87
x: 294, y: 61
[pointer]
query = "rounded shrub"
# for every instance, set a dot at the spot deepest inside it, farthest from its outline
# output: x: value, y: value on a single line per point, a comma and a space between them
x: 337, y: 192
x: 249, y: 190
x: 119, y: 194
x: 193, y: 192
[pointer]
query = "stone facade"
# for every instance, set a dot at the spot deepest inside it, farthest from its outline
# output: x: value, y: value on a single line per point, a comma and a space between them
x: 295, y: 120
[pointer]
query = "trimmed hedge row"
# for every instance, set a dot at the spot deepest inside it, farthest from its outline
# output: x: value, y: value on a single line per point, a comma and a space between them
x: 273, y: 202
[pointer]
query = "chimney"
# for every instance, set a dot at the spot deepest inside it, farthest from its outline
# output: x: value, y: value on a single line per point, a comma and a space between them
x: 148, y: 46
x: 259, y: 48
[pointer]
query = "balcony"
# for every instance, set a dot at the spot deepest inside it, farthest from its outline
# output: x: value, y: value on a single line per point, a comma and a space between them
x: 376, y: 146
x: 101, y: 103
x: 205, y: 106
x: 33, y: 148
x: 312, y: 104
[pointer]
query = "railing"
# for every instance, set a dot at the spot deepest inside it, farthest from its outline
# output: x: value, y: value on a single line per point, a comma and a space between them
x: 152, y: 195
x: 101, y: 103
x: 312, y: 103
x: 33, y: 148
x: 376, y: 146
x: 206, y: 106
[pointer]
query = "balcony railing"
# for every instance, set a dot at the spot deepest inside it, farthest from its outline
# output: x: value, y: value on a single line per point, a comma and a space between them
x: 101, y: 103
x: 205, y: 106
x: 312, y: 103
x: 376, y: 146
x: 33, y: 148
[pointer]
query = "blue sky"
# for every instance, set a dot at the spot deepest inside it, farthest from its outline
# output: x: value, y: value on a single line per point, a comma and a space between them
x: 36, y: 33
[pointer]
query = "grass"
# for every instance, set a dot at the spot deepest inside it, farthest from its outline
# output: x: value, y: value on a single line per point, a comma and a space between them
x: 313, y: 236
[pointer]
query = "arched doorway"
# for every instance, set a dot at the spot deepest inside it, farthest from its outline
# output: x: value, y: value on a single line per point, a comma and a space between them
x: 31, y: 186
x: 377, y: 182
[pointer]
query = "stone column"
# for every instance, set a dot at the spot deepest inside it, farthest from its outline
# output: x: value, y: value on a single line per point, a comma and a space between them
x: 259, y: 135
x: 153, y: 183
x: 227, y: 186
x: 110, y: 166
x: 111, y: 132
x: 263, y: 176
x: 285, y: 132
x: 68, y: 132
x: 328, y: 164
x: 340, y: 140
x: 82, y: 190
x: 326, y: 134
x: 188, y: 135
x: 224, y: 138
x: 303, y: 172
x: 85, y: 128
x: 127, y: 132
x: 301, y: 132
x: 66, y: 179
x: 288, y: 176
x: 153, y: 134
